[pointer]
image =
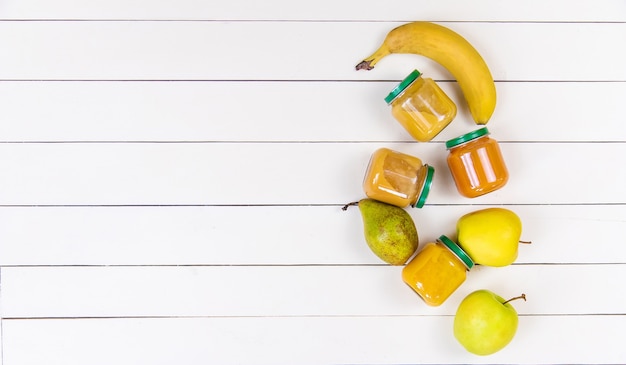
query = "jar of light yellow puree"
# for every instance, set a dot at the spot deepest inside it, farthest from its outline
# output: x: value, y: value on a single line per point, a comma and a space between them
x: 421, y: 107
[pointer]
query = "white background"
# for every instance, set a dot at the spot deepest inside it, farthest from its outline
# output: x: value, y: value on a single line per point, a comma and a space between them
x: 172, y: 173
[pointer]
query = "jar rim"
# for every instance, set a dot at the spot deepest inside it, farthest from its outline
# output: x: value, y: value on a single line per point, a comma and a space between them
x: 457, y: 250
x: 402, y: 85
x: 425, y: 180
x: 467, y: 137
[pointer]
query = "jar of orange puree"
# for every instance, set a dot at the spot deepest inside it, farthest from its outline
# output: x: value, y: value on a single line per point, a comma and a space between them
x: 476, y: 163
x: 437, y: 270
x: 421, y: 107
x: 397, y: 179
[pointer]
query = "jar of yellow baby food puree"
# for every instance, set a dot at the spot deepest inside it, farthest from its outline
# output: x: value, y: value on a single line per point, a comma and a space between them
x: 437, y: 270
x: 397, y: 178
x: 421, y: 107
x: 476, y: 163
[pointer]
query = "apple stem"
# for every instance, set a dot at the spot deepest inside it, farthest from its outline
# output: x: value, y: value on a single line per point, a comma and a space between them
x: 345, y: 207
x: 523, y: 296
x: 526, y: 242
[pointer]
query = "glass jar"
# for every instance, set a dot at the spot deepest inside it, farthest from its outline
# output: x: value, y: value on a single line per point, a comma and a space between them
x: 437, y: 270
x: 476, y: 163
x: 398, y: 179
x: 421, y: 107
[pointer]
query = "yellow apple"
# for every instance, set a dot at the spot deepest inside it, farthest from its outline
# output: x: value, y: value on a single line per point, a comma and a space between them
x: 490, y: 236
x: 485, y: 323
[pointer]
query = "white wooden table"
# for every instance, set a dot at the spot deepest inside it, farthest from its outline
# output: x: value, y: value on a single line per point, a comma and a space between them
x: 172, y: 172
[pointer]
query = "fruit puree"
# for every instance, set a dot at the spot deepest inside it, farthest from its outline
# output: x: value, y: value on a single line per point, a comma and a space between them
x: 421, y: 107
x: 397, y: 178
x: 436, y: 271
x: 476, y: 163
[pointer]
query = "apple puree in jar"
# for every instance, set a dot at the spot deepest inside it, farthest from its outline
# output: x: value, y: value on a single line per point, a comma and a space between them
x: 421, y: 107
x: 397, y: 178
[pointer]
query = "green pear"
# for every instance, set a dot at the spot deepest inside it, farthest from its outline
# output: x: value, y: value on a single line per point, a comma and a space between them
x: 490, y: 236
x: 485, y: 323
x: 389, y: 230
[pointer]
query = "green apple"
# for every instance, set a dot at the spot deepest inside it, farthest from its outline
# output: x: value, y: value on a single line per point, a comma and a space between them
x: 490, y: 236
x: 485, y: 323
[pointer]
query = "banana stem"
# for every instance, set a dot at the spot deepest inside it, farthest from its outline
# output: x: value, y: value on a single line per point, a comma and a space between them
x: 369, y: 62
x: 364, y: 65
x: 526, y: 242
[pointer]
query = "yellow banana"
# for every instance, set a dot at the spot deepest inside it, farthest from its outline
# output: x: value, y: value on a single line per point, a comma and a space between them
x: 453, y: 52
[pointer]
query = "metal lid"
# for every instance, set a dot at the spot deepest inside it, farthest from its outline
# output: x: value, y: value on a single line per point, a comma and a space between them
x: 457, y: 250
x: 424, y: 179
x: 403, y: 85
x: 467, y: 137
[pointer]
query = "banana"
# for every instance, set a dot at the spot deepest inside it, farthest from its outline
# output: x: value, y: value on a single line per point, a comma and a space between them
x: 450, y: 50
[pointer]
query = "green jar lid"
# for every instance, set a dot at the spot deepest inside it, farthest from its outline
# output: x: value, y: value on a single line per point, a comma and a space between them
x: 425, y: 180
x: 403, y: 85
x: 457, y: 250
x: 467, y: 137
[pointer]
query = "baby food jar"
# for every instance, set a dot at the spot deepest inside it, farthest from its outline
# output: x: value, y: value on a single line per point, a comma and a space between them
x: 398, y: 179
x: 476, y: 163
x: 437, y: 270
x: 421, y: 106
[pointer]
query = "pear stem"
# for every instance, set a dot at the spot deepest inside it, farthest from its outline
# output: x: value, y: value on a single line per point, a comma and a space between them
x: 345, y: 207
x: 523, y: 296
x: 526, y: 242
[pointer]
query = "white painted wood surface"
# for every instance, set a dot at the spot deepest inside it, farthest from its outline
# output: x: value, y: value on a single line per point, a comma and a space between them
x: 172, y: 172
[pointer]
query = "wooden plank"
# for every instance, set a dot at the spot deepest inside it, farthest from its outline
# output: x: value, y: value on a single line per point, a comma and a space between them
x: 284, y: 173
x: 349, y: 111
x: 277, y: 235
x: 271, y: 291
x: 256, y: 51
x: 490, y: 10
x: 312, y: 340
